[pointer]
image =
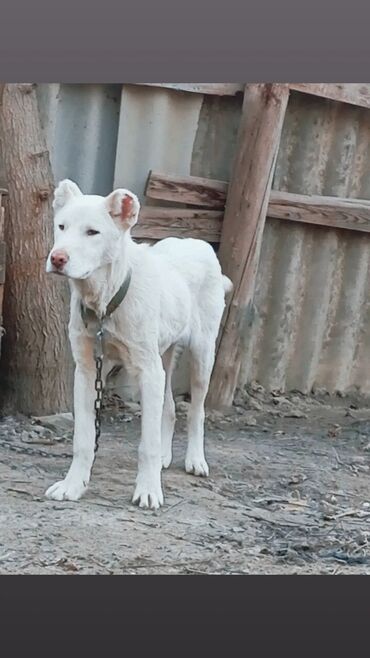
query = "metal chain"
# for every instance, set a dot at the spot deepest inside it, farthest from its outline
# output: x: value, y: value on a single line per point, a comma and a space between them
x: 98, y: 356
x: 33, y: 452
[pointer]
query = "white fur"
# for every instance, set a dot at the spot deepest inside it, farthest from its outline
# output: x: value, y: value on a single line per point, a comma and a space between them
x: 176, y: 298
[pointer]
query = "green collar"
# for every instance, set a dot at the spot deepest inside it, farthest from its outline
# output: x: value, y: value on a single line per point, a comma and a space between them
x: 88, y: 314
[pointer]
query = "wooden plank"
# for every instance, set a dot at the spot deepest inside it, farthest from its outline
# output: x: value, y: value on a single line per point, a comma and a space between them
x: 190, y: 190
x: 333, y: 212
x: 215, y: 88
x: 353, y: 93
x: 158, y: 223
x: 245, y: 213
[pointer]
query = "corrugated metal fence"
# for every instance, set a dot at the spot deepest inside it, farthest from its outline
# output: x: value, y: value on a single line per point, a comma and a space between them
x: 312, y: 322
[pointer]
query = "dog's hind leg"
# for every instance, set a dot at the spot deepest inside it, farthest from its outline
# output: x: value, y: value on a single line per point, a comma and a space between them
x: 202, y: 354
x: 168, y: 415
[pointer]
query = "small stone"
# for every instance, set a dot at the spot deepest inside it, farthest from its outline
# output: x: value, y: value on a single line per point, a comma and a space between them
x: 255, y: 404
x: 320, y: 392
x: 182, y: 407
x: 241, y: 398
x: 214, y: 416
x: 358, y: 459
x: 294, y: 413
x: 276, y: 393
x: 334, y: 431
x: 57, y: 423
x: 133, y: 407
x: 297, y: 478
x: 256, y: 388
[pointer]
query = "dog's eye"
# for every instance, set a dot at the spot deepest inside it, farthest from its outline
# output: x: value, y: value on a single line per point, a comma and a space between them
x: 61, y: 226
x: 92, y: 232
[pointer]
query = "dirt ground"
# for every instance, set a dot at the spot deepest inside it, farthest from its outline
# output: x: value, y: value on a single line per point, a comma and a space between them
x: 288, y: 493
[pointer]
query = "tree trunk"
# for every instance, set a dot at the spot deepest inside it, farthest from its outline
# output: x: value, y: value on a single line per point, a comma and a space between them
x: 36, y: 364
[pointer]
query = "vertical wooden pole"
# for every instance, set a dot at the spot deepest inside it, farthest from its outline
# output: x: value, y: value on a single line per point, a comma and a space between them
x: 244, y: 220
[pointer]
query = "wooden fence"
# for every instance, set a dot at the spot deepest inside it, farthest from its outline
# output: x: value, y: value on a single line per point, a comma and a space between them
x: 233, y: 213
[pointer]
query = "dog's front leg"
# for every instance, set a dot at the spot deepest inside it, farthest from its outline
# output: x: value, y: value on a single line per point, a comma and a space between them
x: 78, y: 476
x: 148, y: 491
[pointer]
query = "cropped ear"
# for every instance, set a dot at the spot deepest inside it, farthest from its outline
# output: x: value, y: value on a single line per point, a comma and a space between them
x: 66, y: 191
x: 123, y: 206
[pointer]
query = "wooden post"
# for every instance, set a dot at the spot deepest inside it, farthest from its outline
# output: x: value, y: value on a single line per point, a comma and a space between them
x: 2, y: 264
x: 245, y: 213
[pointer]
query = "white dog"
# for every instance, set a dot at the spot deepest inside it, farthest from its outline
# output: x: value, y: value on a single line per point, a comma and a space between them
x: 174, y: 296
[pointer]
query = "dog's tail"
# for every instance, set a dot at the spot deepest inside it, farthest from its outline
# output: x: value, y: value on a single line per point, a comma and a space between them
x: 228, y: 285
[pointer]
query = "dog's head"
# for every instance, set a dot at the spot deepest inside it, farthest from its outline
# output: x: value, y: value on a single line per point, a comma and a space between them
x: 88, y: 229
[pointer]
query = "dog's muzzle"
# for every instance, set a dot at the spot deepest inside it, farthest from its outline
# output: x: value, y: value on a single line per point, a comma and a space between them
x: 58, y: 259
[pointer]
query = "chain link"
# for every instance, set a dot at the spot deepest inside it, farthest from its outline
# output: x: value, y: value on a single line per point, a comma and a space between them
x: 98, y: 355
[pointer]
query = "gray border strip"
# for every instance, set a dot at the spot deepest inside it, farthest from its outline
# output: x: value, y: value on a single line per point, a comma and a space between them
x: 168, y: 40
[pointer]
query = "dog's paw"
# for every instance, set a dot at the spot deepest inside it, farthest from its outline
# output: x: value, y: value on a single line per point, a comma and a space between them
x: 148, y: 496
x: 196, y: 465
x: 166, y: 459
x: 66, y: 490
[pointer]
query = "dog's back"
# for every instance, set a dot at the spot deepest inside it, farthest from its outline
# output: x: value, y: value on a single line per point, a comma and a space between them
x: 197, y: 263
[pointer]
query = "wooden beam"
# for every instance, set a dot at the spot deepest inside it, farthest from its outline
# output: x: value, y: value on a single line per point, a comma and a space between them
x: 214, y: 88
x: 333, y: 212
x: 245, y: 213
x: 158, y: 223
x: 353, y: 93
x: 190, y: 190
